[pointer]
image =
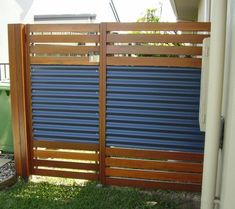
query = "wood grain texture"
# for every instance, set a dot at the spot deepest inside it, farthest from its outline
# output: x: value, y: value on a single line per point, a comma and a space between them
x: 52, y: 49
x: 65, y: 174
x: 154, y: 184
x: 64, y: 27
x: 155, y: 61
x: 154, y: 165
x: 28, y: 102
x: 155, y: 175
x: 102, y: 101
x: 63, y: 164
x: 62, y: 60
x: 65, y: 155
x: 17, y: 56
x: 64, y: 38
x: 113, y: 166
x: 178, y: 26
x: 65, y: 145
x: 168, y: 50
x: 154, y: 154
x: 156, y: 38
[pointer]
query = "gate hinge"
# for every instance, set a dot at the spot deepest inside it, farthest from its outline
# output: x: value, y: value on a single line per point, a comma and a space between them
x: 222, y: 132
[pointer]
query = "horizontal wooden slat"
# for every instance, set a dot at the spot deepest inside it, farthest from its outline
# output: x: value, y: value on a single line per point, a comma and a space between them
x: 152, y: 154
x: 154, y: 175
x: 150, y: 164
x: 52, y: 49
x: 64, y: 27
x: 64, y: 38
x: 63, y: 164
x: 177, y: 50
x: 180, y: 26
x: 65, y: 145
x: 62, y: 60
x: 153, y: 184
x: 155, y: 61
x: 65, y: 155
x: 156, y: 38
x: 65, y: 174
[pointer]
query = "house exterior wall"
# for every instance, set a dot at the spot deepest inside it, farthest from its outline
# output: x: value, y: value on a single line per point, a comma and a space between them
x: 228, y: 171
x: 23, y: 11
x: 201, y: 10
x: 204, y: 11
x: 12, y: 11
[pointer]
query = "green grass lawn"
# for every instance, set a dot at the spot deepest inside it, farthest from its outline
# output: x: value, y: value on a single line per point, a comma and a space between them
x: 50, y: 196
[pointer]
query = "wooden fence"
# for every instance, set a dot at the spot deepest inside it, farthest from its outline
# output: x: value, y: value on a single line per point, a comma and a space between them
x: 106, y: 44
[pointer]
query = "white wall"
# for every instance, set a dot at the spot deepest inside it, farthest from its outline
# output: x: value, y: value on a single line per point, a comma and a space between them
x: 228, y: 173
x: 23, y: 11
x: 204, y: 11
x: 12, y: 11
x: 226, y: 190
x: 201, y: 11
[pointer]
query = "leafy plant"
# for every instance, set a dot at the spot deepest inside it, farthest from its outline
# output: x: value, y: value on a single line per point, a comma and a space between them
x: 154, y: 15
x: 150, y: 15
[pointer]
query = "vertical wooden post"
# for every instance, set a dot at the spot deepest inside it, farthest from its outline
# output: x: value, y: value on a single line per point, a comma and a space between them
x: 16, y: 39
x: 28, y: 100
x: 102, y: 100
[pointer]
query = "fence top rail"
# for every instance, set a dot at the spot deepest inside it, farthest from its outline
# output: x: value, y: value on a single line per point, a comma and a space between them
x: 95, y: 27
x: 142, y: 44
x: 178, y: 26
x: 91, y: 27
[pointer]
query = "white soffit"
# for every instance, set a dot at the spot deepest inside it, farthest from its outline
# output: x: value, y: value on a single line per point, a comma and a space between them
x: 185, y: 10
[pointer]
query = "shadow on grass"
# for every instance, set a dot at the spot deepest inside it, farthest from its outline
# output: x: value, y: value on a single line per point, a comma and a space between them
x: 48, y: 196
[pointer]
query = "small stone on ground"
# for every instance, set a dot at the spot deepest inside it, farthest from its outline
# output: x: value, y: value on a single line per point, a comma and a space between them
x: 151, y: 203
x: 7, y: 167
x: 4, y: 161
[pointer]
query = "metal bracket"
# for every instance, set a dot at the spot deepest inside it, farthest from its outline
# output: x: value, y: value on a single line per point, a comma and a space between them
x: 222, y: 132
x: 217, y: 201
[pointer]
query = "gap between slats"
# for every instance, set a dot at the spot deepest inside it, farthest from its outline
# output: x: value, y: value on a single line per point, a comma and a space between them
x: 52, y: 49
x: 155, y: 50
x: 64, y: 38
x: 154, y: 61
x: 153, y: 184
x: 63, y: 60
x: 154, y: 165
x: 154, y: 175
x: 65, y: 174
x: 156, y: 38
x: 152, y: 154
x: 64, y: 27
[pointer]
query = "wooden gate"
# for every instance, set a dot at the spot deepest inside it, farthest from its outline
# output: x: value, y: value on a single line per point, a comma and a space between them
x: 112, y: 102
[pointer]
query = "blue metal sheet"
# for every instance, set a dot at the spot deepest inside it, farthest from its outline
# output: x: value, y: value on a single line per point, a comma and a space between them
x: 65, y: 103
x: 147, y: 107
x: 154, y: 108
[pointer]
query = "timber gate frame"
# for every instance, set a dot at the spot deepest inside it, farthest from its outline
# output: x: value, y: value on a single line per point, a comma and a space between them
x: 99, y: 48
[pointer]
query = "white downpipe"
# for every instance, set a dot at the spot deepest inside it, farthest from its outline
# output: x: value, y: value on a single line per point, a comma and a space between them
x: 215, y: 90
x: 208, y: 10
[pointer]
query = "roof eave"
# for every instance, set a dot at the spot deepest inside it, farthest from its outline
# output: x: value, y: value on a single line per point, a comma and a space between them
x: 173, y: 5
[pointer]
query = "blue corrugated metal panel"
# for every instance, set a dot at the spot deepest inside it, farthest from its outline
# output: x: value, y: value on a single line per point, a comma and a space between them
x: 65, y: 103
x: 154, y: 108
